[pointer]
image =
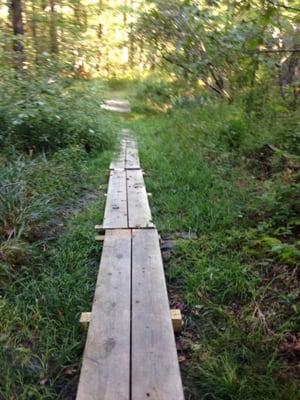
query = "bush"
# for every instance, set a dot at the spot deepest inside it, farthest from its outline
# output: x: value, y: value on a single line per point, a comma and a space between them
x: 157, y: 91
x: 50, y: 114
x: 233, y: 133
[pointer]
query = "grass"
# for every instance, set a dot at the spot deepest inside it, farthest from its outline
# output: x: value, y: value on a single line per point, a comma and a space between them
x: 43, y: 341
x: 204, y: 171
x: 237, y: 283
x: 49, y: 260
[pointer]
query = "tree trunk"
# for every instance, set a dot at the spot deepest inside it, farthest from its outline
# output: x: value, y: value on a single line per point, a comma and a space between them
x: 80, y: 15
x: 18, y: 30
x: 131, y: 39
x: 34, y: 31
x: 53, y: 28
x: 125, y: 48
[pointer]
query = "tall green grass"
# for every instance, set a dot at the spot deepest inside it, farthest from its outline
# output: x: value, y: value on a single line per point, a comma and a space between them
x: 48, y: 274
x: 208, y: 173
x: 53, y: 165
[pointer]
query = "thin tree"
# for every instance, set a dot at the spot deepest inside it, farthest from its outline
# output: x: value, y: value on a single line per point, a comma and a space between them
x: 18, y: 31
x: 53, y: 28
x: 33, y: 26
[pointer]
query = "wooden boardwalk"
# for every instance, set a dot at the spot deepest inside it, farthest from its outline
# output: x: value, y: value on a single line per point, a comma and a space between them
x: 130, y: 353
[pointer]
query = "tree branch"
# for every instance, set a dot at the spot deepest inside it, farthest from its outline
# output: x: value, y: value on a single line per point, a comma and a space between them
x: 273, y: 51
x: 290, y: 8
x: 215, y: 89
x: 170, y: 60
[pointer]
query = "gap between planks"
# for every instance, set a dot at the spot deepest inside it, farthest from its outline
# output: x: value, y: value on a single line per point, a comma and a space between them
x: 127, y: 204
x: 127, y: 157
x: 130, y: 346
x: 130, y: 353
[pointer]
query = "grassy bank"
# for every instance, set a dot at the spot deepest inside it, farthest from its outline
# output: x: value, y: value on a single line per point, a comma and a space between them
x: 227, y: 178
x: 50, y: 199
x: 232, y: 181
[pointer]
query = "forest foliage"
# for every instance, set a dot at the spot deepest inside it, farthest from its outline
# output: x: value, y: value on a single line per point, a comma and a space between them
x: 246, y: 51
x: 215, y: 91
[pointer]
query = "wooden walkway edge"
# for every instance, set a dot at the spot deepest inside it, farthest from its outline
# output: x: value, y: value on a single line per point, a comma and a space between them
x: 130, y: 352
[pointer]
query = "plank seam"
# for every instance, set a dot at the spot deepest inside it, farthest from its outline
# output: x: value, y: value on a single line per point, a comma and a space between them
x: 125, y: 160
x: 130, y: 333
x: 127, y: 202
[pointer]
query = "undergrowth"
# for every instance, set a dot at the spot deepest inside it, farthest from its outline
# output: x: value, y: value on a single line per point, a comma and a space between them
x: 49, y: 113
x: 41, y: 341
x: 229, y: 176
x: 54, y: 161
x: 48, y: 267
x: 233, y: 179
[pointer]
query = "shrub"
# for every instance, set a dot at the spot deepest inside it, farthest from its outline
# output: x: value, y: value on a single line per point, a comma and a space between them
x: 233, y: 133
x: 50, y: 114
x: 157, y: 91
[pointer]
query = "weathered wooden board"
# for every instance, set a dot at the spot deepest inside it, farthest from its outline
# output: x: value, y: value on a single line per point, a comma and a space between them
x: 115, y: 215
x: 105, y: 373
x: 155, y: 369
x: 139, y: 214
x: 116, y: 105
x: 119, y: 161
x: 132, y: 155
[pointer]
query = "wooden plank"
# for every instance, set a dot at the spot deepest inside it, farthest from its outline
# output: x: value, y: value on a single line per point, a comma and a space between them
x: 119, y: 161
x: 85, y: 319
x: 155, y: 369
x: 99, y: 238
x: 105, y: 373
x: 115, y: 215
x: 139, y: 214
x: 121, y: 109
x: 132, y: 155
x: 176, y: 318
x: 117, y: 103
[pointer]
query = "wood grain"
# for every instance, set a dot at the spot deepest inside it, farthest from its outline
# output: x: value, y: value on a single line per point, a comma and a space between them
x: 155, y: 369
x: 119, y: 161
x: 115, y: 215
x: 105, y: 373
x: 132, y: 154
x: 139, y: 213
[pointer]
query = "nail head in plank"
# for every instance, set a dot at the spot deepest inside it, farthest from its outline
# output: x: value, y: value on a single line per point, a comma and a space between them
x: 106, y: 360
x: 155, y: 369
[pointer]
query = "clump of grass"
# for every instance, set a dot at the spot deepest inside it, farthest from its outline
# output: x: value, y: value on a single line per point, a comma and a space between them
x: 42, y: 341
x: 30, y: 189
